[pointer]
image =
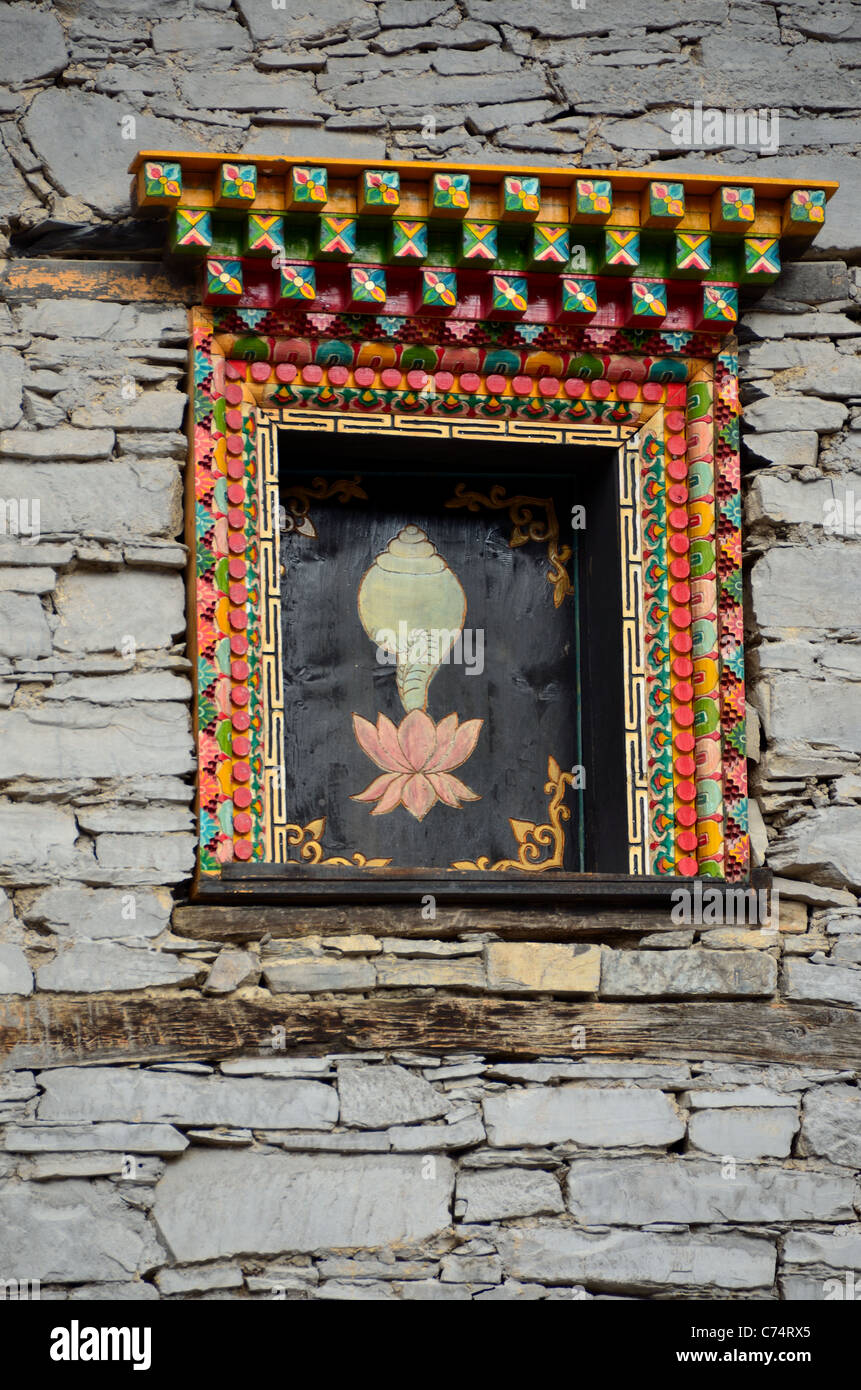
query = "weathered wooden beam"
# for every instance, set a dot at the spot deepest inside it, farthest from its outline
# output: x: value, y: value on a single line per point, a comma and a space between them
x: 50, y: 1032
x: 247, y: 923
x: 125, y: 281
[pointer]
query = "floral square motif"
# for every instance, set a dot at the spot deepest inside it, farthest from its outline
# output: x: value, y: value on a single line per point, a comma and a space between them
x: 163, y: 181
x: 368, y: 285
x: 450, y: 193
x: 521, y: 195
x: 337, y: 236
x: 510, y: 294
x: 191, y: 230
x: 237, y: 183
x: 479, y: 241
x: 593, y: 198
x: 550, y: 245
x: 649, y: 298
x: 264, y: 234
x: 309, y: 186
x: 381, y: 188
x: 223, y: 278
x: 298, y: 282
x: 579, y: 295
x: 720, y: 302
x: 737, y: 204
x: 761, y: 257
x: 439, y: 289
x: 409, y: 240
x: 807, y: 205
x: 666, y: 200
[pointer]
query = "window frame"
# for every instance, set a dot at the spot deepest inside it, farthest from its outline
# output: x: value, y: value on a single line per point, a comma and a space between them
x: 242, y: 394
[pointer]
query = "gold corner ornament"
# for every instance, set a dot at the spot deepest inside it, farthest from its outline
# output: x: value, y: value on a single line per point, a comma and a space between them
x: 307, y: 838
x: 527, y: 527
x: 297, y: 502
x: 532, y: 838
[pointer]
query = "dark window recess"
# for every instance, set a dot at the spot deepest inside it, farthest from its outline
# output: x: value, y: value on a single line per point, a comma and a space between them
x: 384, y: 540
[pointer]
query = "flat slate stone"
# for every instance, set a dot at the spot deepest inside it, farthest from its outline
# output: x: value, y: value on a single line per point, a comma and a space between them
x: 608, y: 1117
x: 637, y: 1260
x: 109, y: 1137
x: 16, y: 977
x: 213, y: 1204
x: 78, y: 136
x: 831, y: 1124
x: 122, y: 1093
x: 66, y: 1232
x: 641, y: 1191
x: 497, y: 1194
x: 745, y: 1134
x: 377, y: 1097
x: 686, y: 974
x: 31, y: 44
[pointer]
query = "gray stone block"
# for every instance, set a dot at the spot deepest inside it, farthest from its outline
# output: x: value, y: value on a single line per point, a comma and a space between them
x: 79, y: 139
x: 101, y: 612
x: 376, y: 1097
x: 831, y: 1124
x: 66, y: 1232
x: 212, y: 1204
x: 84, y: 1138
x: 797, y: 711
x: 306, y: 23
x: 744, y: 1134
x: 606, y: 1117
x: 823, y: 984
x: 35, y: 835
x: 313, y: 975
x: 686, y: 974
x: 802, y: 588
x: 641, y: 1261
x: 200, y: 1280
x: 785, y: 448
x: 824, y: 844
x: 460, y: 1134
x: 24, y: 628
x: 642, y: 1191
x: 794, y: 413
x: 86, y: 968
x: 31, y: 44
x: 122, y: 1093
x: 501, y: 1193
x: 80, y: 740
x: 16, y: 977
x: 838, y: 1249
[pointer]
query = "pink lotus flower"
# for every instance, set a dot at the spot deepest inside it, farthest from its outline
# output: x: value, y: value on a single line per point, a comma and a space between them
x: 417, y: 759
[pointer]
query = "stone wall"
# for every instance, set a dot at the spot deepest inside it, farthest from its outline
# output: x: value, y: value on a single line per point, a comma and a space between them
x: 400, y: 1175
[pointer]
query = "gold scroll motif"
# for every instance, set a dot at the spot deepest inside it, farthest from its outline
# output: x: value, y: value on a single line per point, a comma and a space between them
x: 527, y: 527
x: 533, y: 838
x: 297, y: 502
x: 308, y: 839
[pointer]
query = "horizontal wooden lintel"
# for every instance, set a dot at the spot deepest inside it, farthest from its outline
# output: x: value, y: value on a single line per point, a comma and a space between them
x: 60, y: 1031
x: 129, y: 282
x: 249, y: 922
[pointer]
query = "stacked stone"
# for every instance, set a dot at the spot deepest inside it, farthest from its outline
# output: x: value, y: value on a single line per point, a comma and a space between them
x: 409, y: 1177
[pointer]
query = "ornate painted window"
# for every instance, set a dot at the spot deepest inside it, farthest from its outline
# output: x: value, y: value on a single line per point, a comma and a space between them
x: 464, y: 507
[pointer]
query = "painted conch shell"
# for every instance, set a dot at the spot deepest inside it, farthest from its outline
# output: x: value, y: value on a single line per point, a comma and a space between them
x: 410, y: 590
